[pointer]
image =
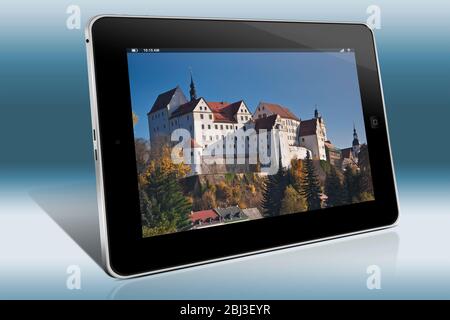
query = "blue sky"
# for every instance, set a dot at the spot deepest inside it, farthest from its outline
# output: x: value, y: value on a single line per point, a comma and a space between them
x: 297, y: 80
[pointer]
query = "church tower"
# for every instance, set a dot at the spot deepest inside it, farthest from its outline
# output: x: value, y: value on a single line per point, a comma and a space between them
x: 321, y: 123
x: 316, y: 113
x: 192, y: 91
x: 355, y: 144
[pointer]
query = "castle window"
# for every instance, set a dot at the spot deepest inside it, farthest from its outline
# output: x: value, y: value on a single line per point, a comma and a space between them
x: 201, y: 116
x: 203, y: 126
x: 209, y: 126
x: 216, y: 126
x: 210, y: 116
x: 210, y: 138
x: 242, y: 118
x: 221, y: 127
x: 264, y: 115
x: 236, y: 127
x: 303, y: 139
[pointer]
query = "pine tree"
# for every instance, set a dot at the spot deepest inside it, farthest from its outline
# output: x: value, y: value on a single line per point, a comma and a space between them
x: 310, y: 187
x: 169, y: 205
x: 334, y: 189
x: 273, y: 192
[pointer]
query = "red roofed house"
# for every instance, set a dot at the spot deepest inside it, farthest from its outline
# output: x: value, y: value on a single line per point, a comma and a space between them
x: 199, y: 218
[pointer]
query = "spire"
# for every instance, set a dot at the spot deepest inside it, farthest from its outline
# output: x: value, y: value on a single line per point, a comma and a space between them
x: 192, y: 91
x: 316, y: 112
x: 355, y: 136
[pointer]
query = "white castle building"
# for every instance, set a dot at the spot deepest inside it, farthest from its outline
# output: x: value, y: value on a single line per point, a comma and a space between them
x: 227, y: 128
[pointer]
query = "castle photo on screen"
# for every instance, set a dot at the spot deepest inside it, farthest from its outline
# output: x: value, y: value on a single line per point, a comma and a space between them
x: 227, y: 137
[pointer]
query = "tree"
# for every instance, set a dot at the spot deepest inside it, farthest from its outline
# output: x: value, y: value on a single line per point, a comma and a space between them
x: 142, y: 150
x: 351, y: 185
x: 169, y: 205
x: 164, y: 208
x: 273, y: 192
x: 135, y: 118
x: 292, y: 202
x: 310, y: 187
x: 334, y: 189
x: 295, y: 174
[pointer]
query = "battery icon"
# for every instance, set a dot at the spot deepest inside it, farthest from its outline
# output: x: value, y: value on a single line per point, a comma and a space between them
x: 134, y: 50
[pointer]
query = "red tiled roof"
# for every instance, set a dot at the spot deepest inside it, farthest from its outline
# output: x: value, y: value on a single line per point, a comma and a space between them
x: 308, y: 127
x: 203, y: 215
x: 280, y: 110
x: 224, y: 111
x: 163, y: 100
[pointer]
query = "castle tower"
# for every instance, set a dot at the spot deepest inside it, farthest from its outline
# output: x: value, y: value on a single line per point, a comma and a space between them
x: 355, y: 143
x: 321, y: 123
x: 192, y: 90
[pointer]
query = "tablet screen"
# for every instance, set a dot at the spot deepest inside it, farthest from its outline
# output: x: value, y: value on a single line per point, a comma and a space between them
x: 229, y: 136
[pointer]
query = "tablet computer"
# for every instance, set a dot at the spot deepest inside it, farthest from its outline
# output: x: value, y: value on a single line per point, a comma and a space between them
x: 215, y: 139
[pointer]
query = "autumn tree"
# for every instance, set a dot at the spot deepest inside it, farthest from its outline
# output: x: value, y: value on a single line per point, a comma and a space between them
x: 292, y: 201
x: 163, y: 205
x: 142, y: 150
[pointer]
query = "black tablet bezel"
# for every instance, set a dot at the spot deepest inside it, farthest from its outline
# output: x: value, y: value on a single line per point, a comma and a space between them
x: 108, y: 38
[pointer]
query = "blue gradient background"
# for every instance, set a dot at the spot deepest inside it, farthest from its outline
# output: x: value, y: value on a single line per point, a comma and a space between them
x: 45, y: 140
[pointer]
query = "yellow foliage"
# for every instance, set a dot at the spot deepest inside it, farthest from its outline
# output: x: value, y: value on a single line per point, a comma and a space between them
x: 166, y: 165
x: 135, y: 118
x: 162, y: 229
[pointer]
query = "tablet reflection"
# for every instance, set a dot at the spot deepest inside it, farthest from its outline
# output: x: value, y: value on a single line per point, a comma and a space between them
x: 323, y: 270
